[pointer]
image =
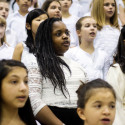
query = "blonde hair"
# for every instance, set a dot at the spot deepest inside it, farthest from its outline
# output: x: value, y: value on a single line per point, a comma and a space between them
x: 3, y: 22
x: 123, y: 2
x: 99, y: 15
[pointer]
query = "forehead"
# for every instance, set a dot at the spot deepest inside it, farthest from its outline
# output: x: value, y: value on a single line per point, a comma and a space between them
x: 59, y: 25
x: 88, y: 20
x: 102, y: 95
x: 55, y: 3
x: 4, y: 4
x: 109, y: 1
x: 41, y: 16
x: 17, y: 70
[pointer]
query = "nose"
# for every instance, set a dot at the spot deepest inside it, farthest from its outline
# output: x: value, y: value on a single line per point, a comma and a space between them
x: 106, y: 111
x: 65, y: 36
x: 23, y: 86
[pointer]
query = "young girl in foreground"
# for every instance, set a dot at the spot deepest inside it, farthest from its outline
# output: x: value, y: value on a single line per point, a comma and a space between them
x: 15, y: 108
x: 96, y: 103
x: 53, y: 79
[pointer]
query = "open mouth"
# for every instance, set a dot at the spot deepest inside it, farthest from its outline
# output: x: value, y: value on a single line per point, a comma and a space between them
x: 92, y: 34
x: 105, y: 120
x: 66, y: 43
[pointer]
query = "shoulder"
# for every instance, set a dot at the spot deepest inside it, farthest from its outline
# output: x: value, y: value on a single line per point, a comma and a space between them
x: 19, y: 46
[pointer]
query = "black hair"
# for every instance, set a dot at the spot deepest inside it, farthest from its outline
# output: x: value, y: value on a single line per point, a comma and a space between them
x: 25, y: 112
x: 50, y: 64
x: 32, y: 15
x: 84, y: 92
x: 120, y: 54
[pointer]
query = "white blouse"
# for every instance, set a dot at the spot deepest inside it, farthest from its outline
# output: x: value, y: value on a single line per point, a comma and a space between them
x: 17, y: 23
x: 96, y: 64
x: 41, y: 91
x: 107, y: 40
x: 116, y: 78
x: 6, y: 52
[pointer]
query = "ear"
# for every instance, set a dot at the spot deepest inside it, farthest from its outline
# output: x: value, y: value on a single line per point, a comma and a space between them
x: 80, y: 112
x: 28, y: 26
x: 78, y: 33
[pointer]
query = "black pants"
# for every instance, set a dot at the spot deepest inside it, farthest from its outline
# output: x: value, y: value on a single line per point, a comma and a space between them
x: 67, y: 116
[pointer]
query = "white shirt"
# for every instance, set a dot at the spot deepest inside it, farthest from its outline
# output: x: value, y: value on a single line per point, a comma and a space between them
x: 116, y: 78
x: 6, y: 52
x: 11, y: 37
x: 107, y: 40
x: 17, y: 23
x: 41, y: 91
x: 76, y: 9
x: 70, y: 24
x: 95, y: 65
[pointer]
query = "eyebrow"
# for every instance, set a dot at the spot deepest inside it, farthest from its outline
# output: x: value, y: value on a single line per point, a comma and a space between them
x: 18, y: 76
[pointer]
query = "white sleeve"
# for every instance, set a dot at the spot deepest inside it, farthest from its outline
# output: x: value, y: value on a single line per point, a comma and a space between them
x: 35, y: 88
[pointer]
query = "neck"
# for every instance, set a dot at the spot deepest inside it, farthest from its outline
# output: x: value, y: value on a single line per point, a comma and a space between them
x: 107, y: 22
x: 66, y: 14
x: 87, y: 46
x: 23, y: 13
x: 10, y: 116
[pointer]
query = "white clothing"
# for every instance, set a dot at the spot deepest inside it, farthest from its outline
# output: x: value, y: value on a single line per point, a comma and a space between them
x: 11, y: 37
x: 70, y: 23
x: 116, y: 78
x: 85, y: 5
x: 17, y: 23
x: 41, y: 91
x: 107, y: 40
x: 6, y: 52
x: 96, y: 65
x: 76, y: 9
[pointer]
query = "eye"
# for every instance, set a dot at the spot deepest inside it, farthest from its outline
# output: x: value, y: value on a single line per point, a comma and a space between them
x: 112, y: 106
x: 106, y: 4
x: 95, y: 26
x: 26, y: 81
x: 2, y: 25
x: 14, y: 82
x: 7, y: 10
x: 87, y: 25
x: 59, y: 8
x: 113, y: 4
x: 53, y: 7
x: 67, y: 33
x: 98, y: 106
x: 58, y: 34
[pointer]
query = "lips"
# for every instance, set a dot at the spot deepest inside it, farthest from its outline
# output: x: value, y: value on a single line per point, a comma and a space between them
x: 105, y: 120
x: 92, y: 34
x: 110, y: 12
x: 22, y: 98
x: 66, y: 43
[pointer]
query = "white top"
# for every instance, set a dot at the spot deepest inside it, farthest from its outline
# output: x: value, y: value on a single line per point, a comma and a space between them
x: 11, y: 37
x: 85, y: 5
x: 17, y: 22
x: 96, y: 64
x: 70, y: 24
x: 6, y: 52
x: 107, y: 40
x: 41, y: 91
x: 116, y: 78
x: 76, y: 9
